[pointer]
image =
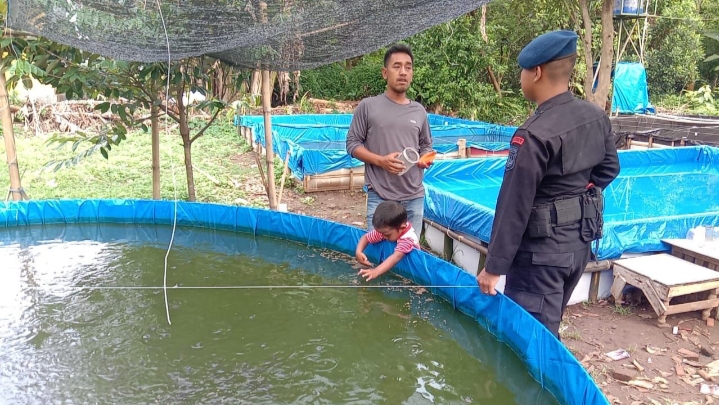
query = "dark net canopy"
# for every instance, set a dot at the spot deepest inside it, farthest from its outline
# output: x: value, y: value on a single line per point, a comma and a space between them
x: 279, y: 35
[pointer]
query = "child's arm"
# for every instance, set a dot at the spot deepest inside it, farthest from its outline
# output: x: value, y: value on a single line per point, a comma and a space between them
x: 371, y: 274
x: 359, y: 251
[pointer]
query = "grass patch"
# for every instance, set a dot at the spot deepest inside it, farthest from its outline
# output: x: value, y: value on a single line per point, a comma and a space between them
x: 128, y: 171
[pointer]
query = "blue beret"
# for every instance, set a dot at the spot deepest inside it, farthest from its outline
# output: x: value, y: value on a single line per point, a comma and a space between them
x: 548, y: 47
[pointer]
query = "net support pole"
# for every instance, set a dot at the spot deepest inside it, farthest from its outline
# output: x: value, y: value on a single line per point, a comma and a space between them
x: 9, y: 137
x: 269, y: 154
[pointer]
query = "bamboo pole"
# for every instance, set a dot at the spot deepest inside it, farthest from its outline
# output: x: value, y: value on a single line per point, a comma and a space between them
x: 266, y: 108
x: 9, y: 136
x: 155, y: 123
x: 284, y: 176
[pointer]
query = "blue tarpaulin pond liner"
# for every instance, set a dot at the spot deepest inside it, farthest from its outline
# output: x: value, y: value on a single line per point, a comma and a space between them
x: 659, y: 193
x: 547, y: 360
x: 631, y: 94
x: 316, y: 142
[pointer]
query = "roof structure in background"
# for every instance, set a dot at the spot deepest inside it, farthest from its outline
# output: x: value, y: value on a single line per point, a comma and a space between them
x: 274, y: 34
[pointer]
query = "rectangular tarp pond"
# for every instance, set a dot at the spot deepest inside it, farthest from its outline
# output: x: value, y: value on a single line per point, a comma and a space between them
x: 318, y: 147
x: 659, y: 193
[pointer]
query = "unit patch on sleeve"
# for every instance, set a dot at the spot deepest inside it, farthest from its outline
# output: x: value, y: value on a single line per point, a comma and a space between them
x: 512, y: 157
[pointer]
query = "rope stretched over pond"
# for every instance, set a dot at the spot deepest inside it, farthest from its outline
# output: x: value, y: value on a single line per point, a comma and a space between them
x: 241, y: 287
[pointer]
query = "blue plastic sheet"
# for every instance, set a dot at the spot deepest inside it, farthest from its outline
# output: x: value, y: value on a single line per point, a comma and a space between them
x: 659, y: 193
x: 316, y: 142
x: 631, y: 95
x: 547, y: 360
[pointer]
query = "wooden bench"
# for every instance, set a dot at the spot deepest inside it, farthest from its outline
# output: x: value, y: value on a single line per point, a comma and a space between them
x: 662, y: 277
x: 703, y: 254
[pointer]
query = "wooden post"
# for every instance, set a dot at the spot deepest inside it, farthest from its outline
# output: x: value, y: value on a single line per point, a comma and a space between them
x: 155, y: 124
x: 270, y: 159
x: 448, y: 248
x: 462, y: 148
x: 9, y: 136
x: 284, y: 176
x: 594, y: 287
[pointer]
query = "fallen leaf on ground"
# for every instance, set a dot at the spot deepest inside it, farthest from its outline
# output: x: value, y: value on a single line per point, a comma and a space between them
x: 641, y: 384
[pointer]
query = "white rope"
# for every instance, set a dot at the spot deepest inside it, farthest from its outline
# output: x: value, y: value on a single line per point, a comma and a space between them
x: 172, y: 162
x: 244, y: 287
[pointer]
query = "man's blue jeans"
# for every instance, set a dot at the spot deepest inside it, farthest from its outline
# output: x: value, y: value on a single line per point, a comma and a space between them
x: 415, y: 210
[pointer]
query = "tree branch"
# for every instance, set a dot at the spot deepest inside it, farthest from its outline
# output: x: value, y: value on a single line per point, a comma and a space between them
x: 202, y: 131
x: 169, y: 114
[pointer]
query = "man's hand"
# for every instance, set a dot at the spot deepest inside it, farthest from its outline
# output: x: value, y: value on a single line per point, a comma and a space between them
x: 391, y: 163
x: 424, y: 165
x: 362, y: 259
x: 487, y: 282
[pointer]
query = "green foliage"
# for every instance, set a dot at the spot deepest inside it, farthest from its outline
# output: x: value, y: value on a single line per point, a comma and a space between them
x: 128, y: 171
x: 335, y: 81
x: 674, y: 47
x: 102, y: 142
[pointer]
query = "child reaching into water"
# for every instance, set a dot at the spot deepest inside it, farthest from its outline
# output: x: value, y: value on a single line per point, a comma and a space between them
x: 390, y: 223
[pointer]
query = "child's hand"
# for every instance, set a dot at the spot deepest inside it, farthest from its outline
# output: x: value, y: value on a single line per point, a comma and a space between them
x: 369, y: 274
x: 362, y: 259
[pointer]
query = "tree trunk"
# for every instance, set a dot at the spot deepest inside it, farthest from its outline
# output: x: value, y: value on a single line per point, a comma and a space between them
x: 495, y: 82
x: 599, y: 97
x: 155, y: 123
x: 187, y: 146
x: 588, y: 58
x: 9, y: 136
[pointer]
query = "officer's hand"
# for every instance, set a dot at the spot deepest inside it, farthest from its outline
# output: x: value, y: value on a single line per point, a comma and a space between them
x: 487, y: 282
x: 391, y: 163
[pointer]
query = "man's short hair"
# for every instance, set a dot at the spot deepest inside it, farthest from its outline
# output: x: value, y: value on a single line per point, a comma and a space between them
x: 397, y: 48
x: 560, y: 69
x: 389, y: 214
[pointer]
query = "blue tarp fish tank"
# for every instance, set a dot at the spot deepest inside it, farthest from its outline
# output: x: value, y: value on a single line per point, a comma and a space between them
x: 659, y: 194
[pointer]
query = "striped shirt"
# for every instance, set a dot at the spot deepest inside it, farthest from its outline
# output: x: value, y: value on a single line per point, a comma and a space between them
x: 406, y: 242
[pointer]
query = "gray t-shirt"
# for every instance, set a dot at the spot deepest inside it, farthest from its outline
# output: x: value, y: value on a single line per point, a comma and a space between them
x: 383, y: 126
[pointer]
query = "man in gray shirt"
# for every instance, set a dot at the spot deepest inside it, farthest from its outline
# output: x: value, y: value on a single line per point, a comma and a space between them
x: 382, y: 127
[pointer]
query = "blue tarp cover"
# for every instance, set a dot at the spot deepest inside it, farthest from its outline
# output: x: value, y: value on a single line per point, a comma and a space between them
x: 316, y: 142
x: 659, y: 193
x: 547, y: 359
x: 631, y: 95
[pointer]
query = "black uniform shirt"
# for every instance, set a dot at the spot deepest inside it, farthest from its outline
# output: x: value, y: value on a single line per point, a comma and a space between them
x: 567, y: 144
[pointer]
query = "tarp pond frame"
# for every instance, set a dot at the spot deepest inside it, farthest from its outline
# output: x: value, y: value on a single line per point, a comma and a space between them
x: 547, y: 360
x: 316, y: 142
x: 659, y: 194
x: 669, y: 130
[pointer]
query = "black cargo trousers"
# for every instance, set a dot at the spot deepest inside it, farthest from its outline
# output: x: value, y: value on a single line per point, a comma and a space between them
x: 543, y: 282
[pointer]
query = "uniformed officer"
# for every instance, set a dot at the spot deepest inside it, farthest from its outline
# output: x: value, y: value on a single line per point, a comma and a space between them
x: 549, y: 208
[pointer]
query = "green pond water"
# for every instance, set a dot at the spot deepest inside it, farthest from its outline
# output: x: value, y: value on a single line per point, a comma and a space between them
x: 99, y: 345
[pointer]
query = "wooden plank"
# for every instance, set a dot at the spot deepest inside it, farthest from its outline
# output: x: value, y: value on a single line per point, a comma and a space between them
x: 637, y: 280
x: 668, y: 270
x: 691, y: 306
x: 655, y: 297
x: 618, y: 287
x: 692, y: 288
